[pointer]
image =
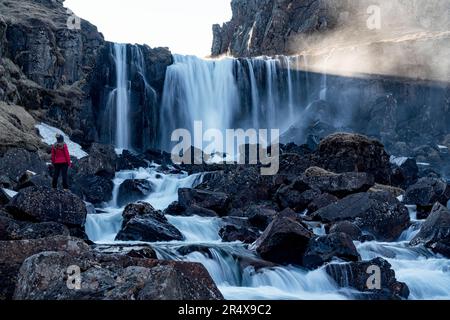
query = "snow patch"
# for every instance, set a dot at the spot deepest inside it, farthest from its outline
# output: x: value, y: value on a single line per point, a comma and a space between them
x: 398, y: 160
x: 48, y: 134
x: 10, y: 193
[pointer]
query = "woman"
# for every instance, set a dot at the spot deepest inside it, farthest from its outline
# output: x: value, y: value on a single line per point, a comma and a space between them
x: 61, y: 161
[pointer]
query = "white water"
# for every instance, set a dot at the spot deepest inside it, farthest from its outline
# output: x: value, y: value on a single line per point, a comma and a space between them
x: 120, y: 97
x: 427, y: 275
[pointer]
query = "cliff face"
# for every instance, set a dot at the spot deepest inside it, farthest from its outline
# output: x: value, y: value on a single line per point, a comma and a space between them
x: 270, y: 27
x: 50, y: 65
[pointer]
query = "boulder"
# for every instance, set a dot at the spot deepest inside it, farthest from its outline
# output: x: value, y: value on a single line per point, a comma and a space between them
x: 231, y: 233
x: 100, y: 162
x: 396, y: 192
x: 130, y: 161
x: 93, y: 189
x: 44, y: 276
x: 143, y: 223
x: 404, y: 172
x: 29, y: 179
x: 4, y: 197
x: 284, y: 242
x: 357, y: 275
x: 321, y: 201
x: 260, y: 216
x: 346, y: 152
x: 132, y: 190
x: 378, y: 213
x: 339, y: 185
x: 435, y: 231
x: 291, y: 196
x: 323, y: 249
x: 349, y: 228
x: 11, y: 229
x: 48, y: 205
x: 16, y: 161
x: 425, y: 193
x: 216, y: 201
x: 14, y: 254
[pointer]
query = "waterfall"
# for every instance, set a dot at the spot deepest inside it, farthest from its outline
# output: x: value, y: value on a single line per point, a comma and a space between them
x: 121, y: 97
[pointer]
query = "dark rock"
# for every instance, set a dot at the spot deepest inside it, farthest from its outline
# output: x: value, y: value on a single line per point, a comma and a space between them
x: 100, y: 162
x: 48, y: 205
x: 357, y: 275
x: 405, y: 173
x: 284, y: 242
x: 231, y: 233
x: 350, y: 229
x: 4, y: 197
x: 17, y: 161
x: 425, y: 193
x: 7, y: 183
x: 11, y: 229
x: 322, y: 201
x: 290, y: 197
x: 260, y: 216
x: 143, y: 223
x: 435, y: 231
x: 130, y: 161
x: 93, y: 189
x: 396, y: 192
x: 15, y: 252
x: 29, y: 179
x: 339, y: 185
x: 344, y: 152
x: 203, y: 249
x: 144, y: 253
x: 133, y: 190
x: 380, y: 214
x: 216, y: 201
x: 323, y: 249
x: 174, y: 209
x: 103, y: 278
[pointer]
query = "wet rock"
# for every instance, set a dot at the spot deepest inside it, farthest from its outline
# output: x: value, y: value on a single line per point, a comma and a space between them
x: 357, y: 275
x: 130, y: 161
x: 339, y: 185
x: 113, y: 277
x: 350, y: 229
x: 323, y: 249
x: 321, y: 201
x: 144, y: 253
x: 380, y: 214
x: 93, y: 189
x: 48, y: 205
x: 396, y: 192
x: 4, y: 197
x: 404, y: 172
x: 132, y: 190
x: 100, y: 162
x: 143, y: 223
x: 15, y: 252
x: 231, y: 233
x: 435, y: 231
x: 345, y: 152
x: 284, y: 242
x: 296, y: 196
x: 216, y: 201
x: 260, y: 216
x: 425, y: 193
x: 11, y: 229
x: 30, y: 179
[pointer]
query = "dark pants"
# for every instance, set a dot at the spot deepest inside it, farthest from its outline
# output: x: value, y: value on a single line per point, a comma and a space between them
x: 60, y: 168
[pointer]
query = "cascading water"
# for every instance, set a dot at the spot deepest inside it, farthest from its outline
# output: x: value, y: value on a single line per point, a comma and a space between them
x: 258, y: 93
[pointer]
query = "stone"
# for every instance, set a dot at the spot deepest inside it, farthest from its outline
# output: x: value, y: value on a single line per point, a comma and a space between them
x: 132, y: 190
x: 231, y: 233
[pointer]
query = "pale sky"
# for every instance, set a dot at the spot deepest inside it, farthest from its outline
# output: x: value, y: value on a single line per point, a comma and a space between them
x: 185, y: 26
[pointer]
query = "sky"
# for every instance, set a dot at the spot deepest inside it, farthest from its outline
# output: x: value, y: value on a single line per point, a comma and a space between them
x: 185, y: 26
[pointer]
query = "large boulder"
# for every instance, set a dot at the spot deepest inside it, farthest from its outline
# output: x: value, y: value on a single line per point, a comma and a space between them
x: 11, y: 229
x: 260, y: 216
x: 347, y: 227
x: 284, y: 241
x: 44, y: 276
x: 48, y: 205
x: 16, y: 161
x: 435, y: 231
x: 14, y: 254
x: 378, y: 213
x: 93, y: 189
x: 346, y: 152
x: 132, y: 190
x: 357, y: 275
x: 231, y: 233
x: 143, y: 223
x: 215, y: 201
x: 339, y: 185
x: 100, y: 162
x: 4, y: 197
x: 297, y: 195
x: 425, y: 193
x: 404, y: 172
x: 130, y: 161
x: 323, y: 249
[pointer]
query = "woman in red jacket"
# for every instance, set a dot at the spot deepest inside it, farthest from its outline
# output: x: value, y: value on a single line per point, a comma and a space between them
x: 61, y: 162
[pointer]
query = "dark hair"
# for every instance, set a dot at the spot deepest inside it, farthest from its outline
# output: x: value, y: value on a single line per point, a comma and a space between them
x: 60, y: 138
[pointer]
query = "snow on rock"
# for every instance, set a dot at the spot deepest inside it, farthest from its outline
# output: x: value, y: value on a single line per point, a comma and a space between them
x: 48, y: 134
x: 10, y: 193
x: 398, y: 160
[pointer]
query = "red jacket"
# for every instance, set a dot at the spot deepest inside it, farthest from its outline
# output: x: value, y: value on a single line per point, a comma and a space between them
x: 61, y: 155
